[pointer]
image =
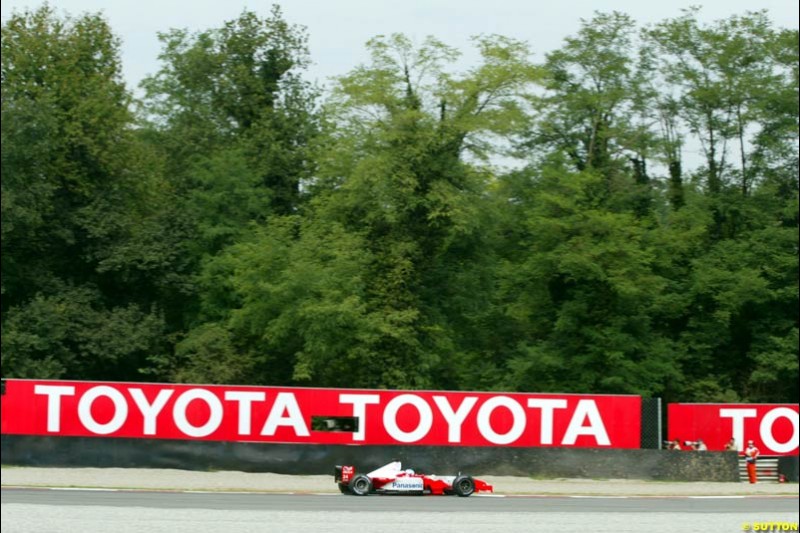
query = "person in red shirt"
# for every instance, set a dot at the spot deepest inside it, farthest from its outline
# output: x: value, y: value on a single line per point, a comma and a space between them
x: 750, y: 456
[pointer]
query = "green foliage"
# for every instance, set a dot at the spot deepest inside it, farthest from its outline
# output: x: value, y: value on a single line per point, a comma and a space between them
x: 236, y: 87
x: 584, y: 293
x: 724, y: 72
x: 73, y: 335
x: 743, y: 297
x: 236, y: 230
x: 234, y: 126
x: 76, y: 186
x: 591, y: 85
x: 227, y: 197
x: 63, y: 128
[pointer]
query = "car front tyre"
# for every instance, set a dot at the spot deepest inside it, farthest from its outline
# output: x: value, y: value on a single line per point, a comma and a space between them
x: 463, y: 486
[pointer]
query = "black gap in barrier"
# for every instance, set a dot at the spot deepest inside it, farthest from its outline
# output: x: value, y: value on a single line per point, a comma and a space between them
x: 651, y: 432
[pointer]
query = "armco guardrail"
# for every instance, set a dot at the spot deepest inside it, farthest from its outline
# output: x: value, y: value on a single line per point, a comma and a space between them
x: 766, y: 469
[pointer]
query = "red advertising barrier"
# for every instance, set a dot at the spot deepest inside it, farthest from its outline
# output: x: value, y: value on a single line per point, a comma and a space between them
x: 772, y: 427
x: 283, y: 414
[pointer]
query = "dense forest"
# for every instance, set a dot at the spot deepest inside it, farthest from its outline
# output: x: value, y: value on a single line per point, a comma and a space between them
x: 619, y: 217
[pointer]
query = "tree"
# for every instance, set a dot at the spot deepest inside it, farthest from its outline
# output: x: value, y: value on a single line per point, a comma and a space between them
x: 742, y: 319
x: 583, y: 292
x: 74, y: 184
x: 236, y: 88
x: 236, y: 230
x: 233, y: 125
x: 721, y: 70
x: 62, y: 93
x: 73, y: 334
x: 357, y: 298
x: 590, y: 103
x: 775, y: 146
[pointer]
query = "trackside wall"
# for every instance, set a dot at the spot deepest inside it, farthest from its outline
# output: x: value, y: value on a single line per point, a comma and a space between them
x: 661, y: 465
x: 284, y: 430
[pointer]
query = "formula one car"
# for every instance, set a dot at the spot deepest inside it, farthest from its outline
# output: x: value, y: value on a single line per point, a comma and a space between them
x: 392, y: 479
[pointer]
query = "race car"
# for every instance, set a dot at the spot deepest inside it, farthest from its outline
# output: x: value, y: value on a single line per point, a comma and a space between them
x: 392, y: 479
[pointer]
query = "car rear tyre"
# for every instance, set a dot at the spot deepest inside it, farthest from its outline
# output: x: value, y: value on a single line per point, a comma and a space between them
x: 360, y: 485
x: 463, y: 486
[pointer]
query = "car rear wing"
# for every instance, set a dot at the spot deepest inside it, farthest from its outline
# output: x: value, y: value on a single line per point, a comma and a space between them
x: 343, y: 474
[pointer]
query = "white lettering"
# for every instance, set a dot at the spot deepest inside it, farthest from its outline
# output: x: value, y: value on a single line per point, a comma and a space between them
x: 54, y: 394
x: 85, y: 410
x: 150, y: 411
x: 485, y: 425
x: 767, y: 436
x: 390, y: 418
x: 406, y: 484
x: 737, y: 422
x: 454, y: 419
x: 214, y: 418
x: 547, y: 406
x: 359, y: 402
x: 285, y: 402
x: 586, y: 409
x: 245, y: 400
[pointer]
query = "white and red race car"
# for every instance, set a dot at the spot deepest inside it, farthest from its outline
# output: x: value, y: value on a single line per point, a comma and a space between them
x: 392, y: 479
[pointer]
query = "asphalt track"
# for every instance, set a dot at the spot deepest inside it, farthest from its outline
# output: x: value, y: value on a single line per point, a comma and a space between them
x: 375, y: 503
x: 122, y: 511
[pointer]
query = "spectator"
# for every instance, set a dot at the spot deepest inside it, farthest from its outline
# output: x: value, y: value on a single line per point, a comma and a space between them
x: 676, y: 445
x: 731, y: 446
x: 700, y: 446
x: 750, y: 456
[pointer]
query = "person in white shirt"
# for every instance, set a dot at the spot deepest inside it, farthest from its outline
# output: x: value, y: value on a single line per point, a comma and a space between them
x: 750, y: 456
